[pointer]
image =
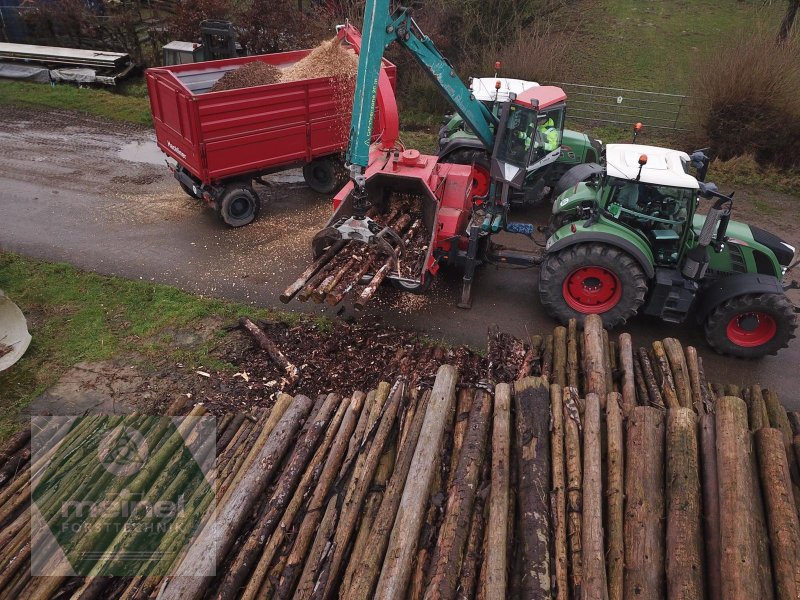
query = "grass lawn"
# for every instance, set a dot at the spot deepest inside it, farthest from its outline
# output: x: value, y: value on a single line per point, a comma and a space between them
x: 77, y: 316
x: 130, y: 105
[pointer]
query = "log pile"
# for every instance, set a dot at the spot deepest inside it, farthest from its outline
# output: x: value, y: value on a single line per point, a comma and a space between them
x: 553, y: 473
x: 343, y: 267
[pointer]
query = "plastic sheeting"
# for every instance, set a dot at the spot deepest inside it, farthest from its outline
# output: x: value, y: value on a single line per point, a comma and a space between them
x: 25, y: 73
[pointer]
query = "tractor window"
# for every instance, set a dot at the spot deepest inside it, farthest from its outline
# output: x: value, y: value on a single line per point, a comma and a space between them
x: 517, y: 142
x: 660, y: 212
x: 549, y: 130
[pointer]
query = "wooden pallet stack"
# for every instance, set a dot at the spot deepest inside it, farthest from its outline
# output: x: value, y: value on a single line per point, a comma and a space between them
x: 573, y: 481
x: 342, y: 267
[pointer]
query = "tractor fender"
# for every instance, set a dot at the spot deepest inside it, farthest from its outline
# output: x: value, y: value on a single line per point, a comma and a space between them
x: 465, y: 143
x: 611, y: 240
x: 724, y: 289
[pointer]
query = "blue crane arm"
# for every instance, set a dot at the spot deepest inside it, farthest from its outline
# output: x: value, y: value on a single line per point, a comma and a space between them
x: 379, y: 31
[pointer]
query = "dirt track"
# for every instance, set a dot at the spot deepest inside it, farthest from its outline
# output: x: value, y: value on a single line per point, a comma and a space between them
x: 69, y: 191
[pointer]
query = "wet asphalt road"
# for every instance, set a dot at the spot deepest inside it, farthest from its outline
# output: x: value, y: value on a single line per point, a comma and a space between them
x: 97, y: 195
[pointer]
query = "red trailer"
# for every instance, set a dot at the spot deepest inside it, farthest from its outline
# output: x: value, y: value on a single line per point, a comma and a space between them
x: 222, y: 141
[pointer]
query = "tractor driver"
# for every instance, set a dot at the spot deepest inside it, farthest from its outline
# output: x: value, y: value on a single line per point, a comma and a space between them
x: 547, y: 134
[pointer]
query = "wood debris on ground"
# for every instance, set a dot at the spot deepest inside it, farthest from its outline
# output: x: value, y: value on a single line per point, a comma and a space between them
x: 551, y: 471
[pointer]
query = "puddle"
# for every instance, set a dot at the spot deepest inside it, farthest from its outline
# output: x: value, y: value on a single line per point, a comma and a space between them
x: 142, y: 152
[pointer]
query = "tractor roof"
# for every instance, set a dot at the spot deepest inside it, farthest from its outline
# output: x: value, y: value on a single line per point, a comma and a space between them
x: 664, y: 166
x: 483, y: 88
x: 545, y: 95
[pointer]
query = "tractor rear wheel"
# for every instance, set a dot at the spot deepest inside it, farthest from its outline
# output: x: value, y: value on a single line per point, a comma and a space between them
x: 239, y: 205
x: 752, y: 325
x: 587, y: 279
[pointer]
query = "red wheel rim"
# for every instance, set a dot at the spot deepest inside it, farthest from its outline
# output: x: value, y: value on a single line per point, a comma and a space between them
x: 751, y: 329
x: 480, y: 181
x: 592, y: 290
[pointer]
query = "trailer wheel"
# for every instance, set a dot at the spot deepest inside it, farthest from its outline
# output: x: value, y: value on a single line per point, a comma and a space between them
x: 323, y: 175
x: 589, y: 279
x: 751, y: 326
x: 239, y: 205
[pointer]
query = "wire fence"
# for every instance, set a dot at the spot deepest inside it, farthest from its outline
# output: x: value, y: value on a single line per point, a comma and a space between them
x: 625, y: 107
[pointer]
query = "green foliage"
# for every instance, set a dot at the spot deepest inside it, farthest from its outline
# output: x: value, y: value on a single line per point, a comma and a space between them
x: 101, y: 103
x: 75, y: 316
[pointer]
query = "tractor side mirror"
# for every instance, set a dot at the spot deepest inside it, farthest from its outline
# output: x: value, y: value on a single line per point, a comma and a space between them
x: 708, y: 190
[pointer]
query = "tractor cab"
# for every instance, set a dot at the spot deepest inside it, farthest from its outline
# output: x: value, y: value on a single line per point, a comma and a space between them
x: 650, y: 191
x: 529, y: 134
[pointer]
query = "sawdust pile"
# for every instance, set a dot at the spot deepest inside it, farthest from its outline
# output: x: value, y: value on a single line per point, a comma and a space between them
x: 249, y: 75
x: 329, y: 59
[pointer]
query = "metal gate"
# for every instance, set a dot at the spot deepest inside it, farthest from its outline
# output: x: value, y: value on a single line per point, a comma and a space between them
x: 620, y: 106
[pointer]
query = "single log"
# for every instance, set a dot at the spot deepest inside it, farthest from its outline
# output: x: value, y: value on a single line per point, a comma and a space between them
x: 470, y: 570
x: 685, y: 573
x: 594, y: 358
x: 653, y: 392
x: 291, y: 291
x: 642, y: 395
x: 699, y: 395
x: 230, y: 517
x: 531, y: 362
x: 615, y: 496
x: 732, y: 390
x: 711, y: 516
x: 718, y: 390
x: 495, y: 557
x: 794, y: 422
x: 644, y: 507
x: 306, y: 446
x: 667, y: 382
x: 368, y: 567
x: 572, y: 354
x: 708, y: 396
x: 559, y: 501
x: 784, y: 529
x: 560, y: 356
x: 779, y: 419
x: 449, y: 551
x: 532, y: 449
x: 316, y: 555
x: 595, y: 586
x: 463, y: 410
x: 680, y: 371
x: 14, y: 465
x: 757, y: 409
x: 608, y: 362
x: 266, y: 344
x: 572, y: 451
x: 356, y: 492
x: 15, y: 444
x: 403, y: 540
x: 372, y: 288
x: 626, y: 364
x: 547, y: 357
x: 738, y: 562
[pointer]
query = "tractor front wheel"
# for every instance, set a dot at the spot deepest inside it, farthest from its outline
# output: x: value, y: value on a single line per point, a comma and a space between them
x: 588, y: 279
x: 751, y: 326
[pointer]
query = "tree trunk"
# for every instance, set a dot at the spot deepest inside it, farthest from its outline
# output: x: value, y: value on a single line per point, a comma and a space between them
x: 711, y: 516
x: 628, y: 373
x: 532, y: 446
x: 667, y: 383
x: 573, y: 368
x: 572, y: 450
x: 547, y: 358
x: 784, y: 529
x: 272, y: 350
x: 594, y: 358
x: 644, y: 507
x: 449, y: 551
x: 595, y: 586
x: 615, y: 498
x: 560, y: 558
x: 403, y: 540
x: 560, y: 356
x: 495, y: 557
x: 684, y: 507
x: 653, y: 393
x: 738, y: 562
x: 680, y: 371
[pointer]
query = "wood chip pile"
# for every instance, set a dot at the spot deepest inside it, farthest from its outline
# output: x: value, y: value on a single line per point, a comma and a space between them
x: 248, y: 75
x: 570, y: 482
x: 340, y: 270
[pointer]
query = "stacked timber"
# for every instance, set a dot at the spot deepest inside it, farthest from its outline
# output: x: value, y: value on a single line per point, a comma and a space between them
x: 345, y: 264
x: 557, y: 475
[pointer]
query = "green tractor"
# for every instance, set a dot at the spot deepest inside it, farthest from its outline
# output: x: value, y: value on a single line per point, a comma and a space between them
x: 459, y: 144
x: 627, y: 237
